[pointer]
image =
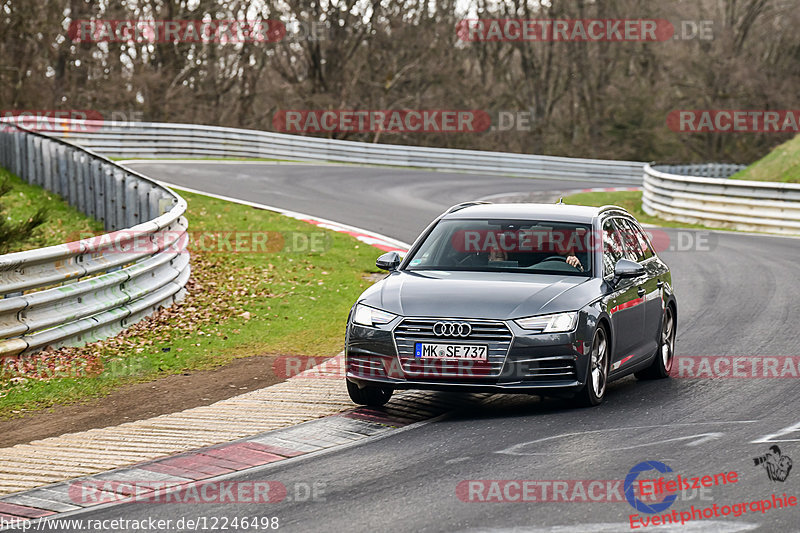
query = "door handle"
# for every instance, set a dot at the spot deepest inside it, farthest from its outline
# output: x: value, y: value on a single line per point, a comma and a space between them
x: 641, y: 291
x: 660, y: 284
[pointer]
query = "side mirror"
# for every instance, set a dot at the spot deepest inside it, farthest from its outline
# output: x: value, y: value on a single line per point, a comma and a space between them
x: 625, y: 268
x: 389, y: 261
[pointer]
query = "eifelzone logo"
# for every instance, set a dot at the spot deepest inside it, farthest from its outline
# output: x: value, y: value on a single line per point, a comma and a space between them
x: 776, y: 464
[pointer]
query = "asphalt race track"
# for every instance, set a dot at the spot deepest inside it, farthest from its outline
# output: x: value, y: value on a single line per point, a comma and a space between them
x: 738, y: 295
x: 395, y: 202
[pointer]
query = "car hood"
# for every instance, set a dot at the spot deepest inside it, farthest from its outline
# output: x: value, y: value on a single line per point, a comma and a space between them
x: 480, y: 294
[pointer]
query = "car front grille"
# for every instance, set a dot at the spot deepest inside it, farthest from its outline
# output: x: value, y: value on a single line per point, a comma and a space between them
x: 493, y: 333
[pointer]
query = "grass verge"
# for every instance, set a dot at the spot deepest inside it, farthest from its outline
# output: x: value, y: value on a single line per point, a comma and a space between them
x: 63, y: 223
x: 782, y: 164
x: 287, y: 299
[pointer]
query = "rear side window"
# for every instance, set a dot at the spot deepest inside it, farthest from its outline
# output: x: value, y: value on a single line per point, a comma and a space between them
x: 612, y: 247
x: 634, y: 241
x: 644, y: 243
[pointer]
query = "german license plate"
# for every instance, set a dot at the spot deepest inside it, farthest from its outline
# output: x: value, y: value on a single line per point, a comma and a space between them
x: 470, y: 352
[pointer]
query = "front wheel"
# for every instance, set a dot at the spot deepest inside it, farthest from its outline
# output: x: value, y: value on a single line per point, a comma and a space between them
x: 594, y: 391
x: 371, y: 395
x: 665, y: 355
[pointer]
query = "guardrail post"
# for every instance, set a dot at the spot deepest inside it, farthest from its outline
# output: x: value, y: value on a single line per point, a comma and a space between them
x: 28, y: 171
x: 61, y: 182
x: 143, y: 200
x: 153, y: 203
x: 131, y: 202
x: 20, y: 154
x: 35, y: 175
x: 84, y: 178
x: 3, y: 146
x: 72, y: 172
x: 100, y: 179
x: 47, y: 158
x: 118, y: 201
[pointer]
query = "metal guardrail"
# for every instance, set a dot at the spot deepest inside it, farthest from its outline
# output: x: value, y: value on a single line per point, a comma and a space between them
x: 86, y: 290
x: 688, y: 193
x: 154, y: 140
x: 700, y: 194
x: 89, y: 289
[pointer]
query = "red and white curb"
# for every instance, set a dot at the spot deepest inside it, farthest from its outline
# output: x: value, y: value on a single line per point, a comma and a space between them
x: 186, y: 476
x: 198, y: 476
x: 381, y: 242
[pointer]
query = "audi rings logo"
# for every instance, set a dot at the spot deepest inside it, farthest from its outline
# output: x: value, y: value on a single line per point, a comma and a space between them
x: 452, y: 329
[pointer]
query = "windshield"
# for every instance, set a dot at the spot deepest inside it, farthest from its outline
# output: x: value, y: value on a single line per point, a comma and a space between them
x: 506, y: 246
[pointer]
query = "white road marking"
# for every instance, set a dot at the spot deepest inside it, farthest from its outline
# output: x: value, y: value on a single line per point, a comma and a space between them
x: 224, y: 161
x: 700, y: 438
x: 774, y: 436
x: 337, y: 226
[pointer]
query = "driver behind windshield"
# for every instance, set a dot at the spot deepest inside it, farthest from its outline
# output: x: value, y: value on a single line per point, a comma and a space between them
x: 568, y: 252
x: 510, y: 246
x: 571, y: 258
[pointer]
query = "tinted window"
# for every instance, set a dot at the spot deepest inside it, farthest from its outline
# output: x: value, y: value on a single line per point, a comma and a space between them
x: 636, y: 246
x: 644, y: 242
x: 506, y: 246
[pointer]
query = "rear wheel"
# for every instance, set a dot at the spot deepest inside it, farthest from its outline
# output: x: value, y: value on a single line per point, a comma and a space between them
x: 594, y: 391
x: 665, y: 355
x: 372, y: 395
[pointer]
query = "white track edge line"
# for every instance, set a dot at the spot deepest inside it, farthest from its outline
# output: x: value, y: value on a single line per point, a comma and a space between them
x: 289, y: 213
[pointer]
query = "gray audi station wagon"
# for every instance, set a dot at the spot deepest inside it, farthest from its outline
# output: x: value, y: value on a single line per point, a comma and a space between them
x: 550, y: 299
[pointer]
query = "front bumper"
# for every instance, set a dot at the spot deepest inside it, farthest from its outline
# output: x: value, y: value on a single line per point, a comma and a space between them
x: 519, y: 361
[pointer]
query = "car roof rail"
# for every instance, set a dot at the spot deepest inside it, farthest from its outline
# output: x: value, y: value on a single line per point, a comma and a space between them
x: 606, y: 208
x: 463, y: 205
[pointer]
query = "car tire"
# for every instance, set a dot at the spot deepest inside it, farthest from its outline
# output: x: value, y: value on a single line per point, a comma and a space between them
x: 371, y: 395
x: 665, y: 355
x: 594, y: 391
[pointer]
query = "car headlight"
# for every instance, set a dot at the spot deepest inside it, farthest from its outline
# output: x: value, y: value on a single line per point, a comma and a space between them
x: 369, y: 316
x: 557, y: 323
